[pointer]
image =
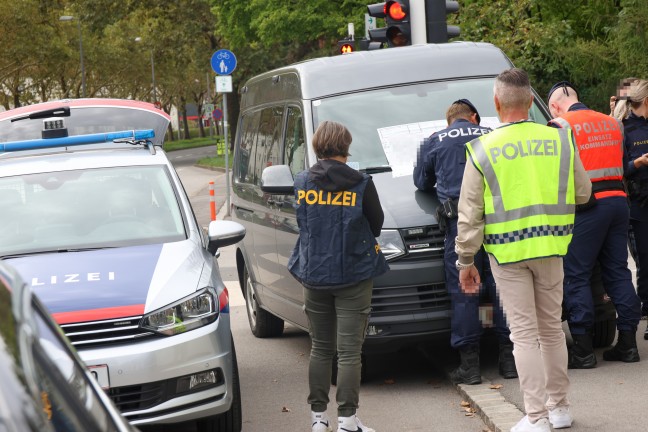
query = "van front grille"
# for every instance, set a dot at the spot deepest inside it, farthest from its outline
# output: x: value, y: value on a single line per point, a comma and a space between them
x: 105, y: 332
x: 387, y: 301
x: 423, y: 243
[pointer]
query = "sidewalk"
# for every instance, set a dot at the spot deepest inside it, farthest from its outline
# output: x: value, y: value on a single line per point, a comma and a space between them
x: 610, y: 398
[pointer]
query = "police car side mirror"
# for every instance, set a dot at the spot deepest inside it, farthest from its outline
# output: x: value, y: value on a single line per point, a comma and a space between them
x: 278, y: 180
x: 223, y: 233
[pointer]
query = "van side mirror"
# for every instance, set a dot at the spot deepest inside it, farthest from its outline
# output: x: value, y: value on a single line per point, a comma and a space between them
x: 223, y: 233
x: 278, y: 180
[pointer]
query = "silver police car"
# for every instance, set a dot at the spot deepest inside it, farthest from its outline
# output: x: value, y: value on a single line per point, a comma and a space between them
x: 96, y: 221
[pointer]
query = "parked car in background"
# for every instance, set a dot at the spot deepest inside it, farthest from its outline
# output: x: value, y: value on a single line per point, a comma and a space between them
x: 44, y: 386
x: 95, y: 219
x: 388, y: 115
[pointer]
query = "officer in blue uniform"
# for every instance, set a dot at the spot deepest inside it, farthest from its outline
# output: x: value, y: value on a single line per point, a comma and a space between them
x: 636, y: 146
x: 440, y: 165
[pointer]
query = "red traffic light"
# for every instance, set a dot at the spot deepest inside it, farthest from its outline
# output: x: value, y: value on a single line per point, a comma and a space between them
x: 396, y: 10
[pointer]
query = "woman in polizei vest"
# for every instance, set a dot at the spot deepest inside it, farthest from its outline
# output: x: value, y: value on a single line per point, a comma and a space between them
x: 336, y: 258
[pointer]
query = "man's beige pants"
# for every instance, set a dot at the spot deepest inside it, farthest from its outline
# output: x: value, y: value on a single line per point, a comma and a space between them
x: 531, y: 293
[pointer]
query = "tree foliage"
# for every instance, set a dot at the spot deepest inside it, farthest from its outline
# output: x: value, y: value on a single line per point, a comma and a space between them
x: 592, y: 43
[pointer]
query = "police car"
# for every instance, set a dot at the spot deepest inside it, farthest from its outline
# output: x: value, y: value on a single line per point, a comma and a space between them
x: 45, y: 386
x: 96, y: 221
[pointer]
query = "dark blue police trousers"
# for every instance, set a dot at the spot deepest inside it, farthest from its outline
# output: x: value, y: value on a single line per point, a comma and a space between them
x: 466, y: 327
x: 600, y: 233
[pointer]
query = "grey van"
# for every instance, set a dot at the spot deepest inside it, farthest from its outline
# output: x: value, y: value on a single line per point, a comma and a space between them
x: 390, y: 100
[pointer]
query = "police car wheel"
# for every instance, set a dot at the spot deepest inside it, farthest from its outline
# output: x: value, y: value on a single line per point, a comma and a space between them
x: 262, y: 323
x: 232, y: 420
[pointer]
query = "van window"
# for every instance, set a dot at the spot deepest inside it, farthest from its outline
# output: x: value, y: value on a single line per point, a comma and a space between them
x: 246, y: 155
x: 268, y: 140
x: 368, y: 114
x: 294, y: 154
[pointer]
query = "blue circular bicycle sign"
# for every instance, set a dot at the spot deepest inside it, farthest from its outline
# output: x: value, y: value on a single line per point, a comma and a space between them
x: 223, y: 62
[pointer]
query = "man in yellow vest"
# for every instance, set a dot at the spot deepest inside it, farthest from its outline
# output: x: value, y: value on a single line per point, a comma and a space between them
x: 518, y: 197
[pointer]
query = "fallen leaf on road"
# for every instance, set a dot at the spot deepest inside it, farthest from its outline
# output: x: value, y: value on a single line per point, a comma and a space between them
x: 285, y: 409
x: 465, y: 404
x: 390, y: 381
x: 496, y: 386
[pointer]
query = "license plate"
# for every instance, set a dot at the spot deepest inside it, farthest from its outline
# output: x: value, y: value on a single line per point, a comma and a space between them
x: 100, y: 373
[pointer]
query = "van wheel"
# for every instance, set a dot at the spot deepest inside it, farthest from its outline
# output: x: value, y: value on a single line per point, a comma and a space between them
x: 604, y: 333
x: 232, y: 420
x: 262, y: 323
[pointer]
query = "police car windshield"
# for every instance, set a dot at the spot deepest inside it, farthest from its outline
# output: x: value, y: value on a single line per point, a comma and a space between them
x: 388, y: 124
x: 87, y: 209
x: 88, y: 120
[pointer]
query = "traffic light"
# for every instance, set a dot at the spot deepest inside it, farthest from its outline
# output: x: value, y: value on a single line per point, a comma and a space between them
x: 436, y: 11
x: 346, y: 46
x: 397, y: 31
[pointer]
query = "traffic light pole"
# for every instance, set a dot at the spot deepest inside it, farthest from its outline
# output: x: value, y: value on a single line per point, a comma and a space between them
x: 417, y: 20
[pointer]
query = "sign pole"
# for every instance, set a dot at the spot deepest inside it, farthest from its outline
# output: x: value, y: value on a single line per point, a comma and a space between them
x: 223, y: 62
x: 227, y: 175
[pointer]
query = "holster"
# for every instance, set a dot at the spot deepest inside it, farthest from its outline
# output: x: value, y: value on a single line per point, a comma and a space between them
x: 441, y: 219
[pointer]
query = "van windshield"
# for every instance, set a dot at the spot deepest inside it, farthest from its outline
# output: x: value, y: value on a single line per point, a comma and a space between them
x: 389, y: 124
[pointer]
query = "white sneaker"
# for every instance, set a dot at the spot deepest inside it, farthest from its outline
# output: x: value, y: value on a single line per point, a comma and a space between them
x: 320, y: 422
x: 525, y: 425
x: 560, y: 417
x: 352, y: 424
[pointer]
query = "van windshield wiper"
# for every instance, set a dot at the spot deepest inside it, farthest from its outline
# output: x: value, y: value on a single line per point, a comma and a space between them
x: 376, y: 169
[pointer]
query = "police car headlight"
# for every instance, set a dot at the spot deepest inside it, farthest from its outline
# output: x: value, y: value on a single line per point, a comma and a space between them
x: 188, y: 314
x: 391, y: 244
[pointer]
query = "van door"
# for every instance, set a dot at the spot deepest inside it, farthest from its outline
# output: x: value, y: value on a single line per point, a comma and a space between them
x: 294, y: 155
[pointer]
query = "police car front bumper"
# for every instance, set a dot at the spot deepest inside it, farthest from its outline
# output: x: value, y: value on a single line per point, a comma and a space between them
x: 149, y: 380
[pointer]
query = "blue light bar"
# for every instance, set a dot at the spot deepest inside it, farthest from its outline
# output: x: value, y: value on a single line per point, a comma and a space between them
x: 76, y: 140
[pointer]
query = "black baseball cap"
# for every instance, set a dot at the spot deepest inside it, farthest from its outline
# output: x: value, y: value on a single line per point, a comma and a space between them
x: 470, y: 105
x: 561, y: 85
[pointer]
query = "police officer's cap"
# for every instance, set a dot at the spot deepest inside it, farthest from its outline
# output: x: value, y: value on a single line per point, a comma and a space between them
x: 470, y: 105
x: 565, y: 86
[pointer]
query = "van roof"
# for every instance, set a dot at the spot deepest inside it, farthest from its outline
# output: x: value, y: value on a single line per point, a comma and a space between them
x: 385, y: 67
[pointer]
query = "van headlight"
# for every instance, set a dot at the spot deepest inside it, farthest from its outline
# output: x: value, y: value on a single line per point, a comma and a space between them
x: 190, y: 313
x: 391, y: 244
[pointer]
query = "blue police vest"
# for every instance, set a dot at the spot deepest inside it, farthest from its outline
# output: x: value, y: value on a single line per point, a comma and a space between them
x: 336, y: 247
x: 442, y: 158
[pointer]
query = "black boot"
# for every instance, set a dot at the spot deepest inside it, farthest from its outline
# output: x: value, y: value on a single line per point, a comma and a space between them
x: 625, y: 349
x: 468, y: 371
x: 507, y: 367
x: 581, y: 354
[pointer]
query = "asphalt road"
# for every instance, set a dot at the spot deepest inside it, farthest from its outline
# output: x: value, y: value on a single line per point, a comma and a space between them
x: 409, y: 390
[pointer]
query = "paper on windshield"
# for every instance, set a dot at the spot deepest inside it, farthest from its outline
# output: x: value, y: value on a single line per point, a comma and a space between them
x: 401, y: 142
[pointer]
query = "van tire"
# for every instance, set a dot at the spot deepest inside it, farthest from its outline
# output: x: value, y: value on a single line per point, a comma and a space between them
x: 604, y: 333
x: 262, y: 323
x: 232, y: 420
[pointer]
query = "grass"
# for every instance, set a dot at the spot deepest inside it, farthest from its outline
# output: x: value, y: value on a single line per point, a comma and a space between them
x: 207, y: 162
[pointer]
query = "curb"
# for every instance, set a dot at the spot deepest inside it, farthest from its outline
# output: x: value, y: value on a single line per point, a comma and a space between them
x: 486, y: 400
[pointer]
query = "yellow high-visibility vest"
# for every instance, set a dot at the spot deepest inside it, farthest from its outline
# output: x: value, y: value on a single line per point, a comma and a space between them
x: 529, y: 195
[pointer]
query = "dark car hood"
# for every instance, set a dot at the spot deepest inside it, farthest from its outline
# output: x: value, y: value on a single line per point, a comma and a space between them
x: 404, y: 205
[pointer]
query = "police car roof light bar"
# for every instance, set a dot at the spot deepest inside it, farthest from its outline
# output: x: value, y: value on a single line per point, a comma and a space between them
x: 97, y: 138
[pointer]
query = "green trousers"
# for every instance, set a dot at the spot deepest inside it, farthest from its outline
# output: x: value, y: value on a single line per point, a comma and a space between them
x: 337, y: 322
